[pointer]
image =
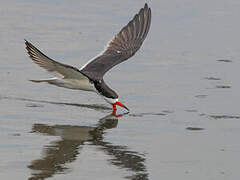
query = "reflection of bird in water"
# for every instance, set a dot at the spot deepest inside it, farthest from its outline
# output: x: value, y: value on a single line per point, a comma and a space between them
x: 59, y: 153
x: 90, y: 76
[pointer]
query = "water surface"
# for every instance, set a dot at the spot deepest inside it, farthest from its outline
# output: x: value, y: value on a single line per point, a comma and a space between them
x: 182, y: 88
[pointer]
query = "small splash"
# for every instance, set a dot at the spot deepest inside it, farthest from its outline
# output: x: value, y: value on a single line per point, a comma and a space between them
x: 223, y: 86
x: 224, y: 117
x: 212, y: 78
x: 194, y: 128
x: 224, y: 60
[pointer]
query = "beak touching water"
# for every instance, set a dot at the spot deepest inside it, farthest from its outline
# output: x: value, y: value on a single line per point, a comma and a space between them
x: 119, y: 104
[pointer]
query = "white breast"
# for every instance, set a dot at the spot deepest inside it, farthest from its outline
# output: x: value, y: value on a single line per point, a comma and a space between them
x: 110, y: 100
x: 82, y: 84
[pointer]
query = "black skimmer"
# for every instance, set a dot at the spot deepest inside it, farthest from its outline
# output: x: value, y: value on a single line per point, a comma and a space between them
x: 90, y: 76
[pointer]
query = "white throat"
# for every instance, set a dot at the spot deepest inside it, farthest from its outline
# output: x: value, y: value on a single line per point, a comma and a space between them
x: 110, y: 100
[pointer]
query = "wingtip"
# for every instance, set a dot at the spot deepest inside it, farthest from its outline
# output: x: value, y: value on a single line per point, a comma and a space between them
x: 27, y: 43
x: 146, y: 6
x: 32, y: 80
x: 29, y: 46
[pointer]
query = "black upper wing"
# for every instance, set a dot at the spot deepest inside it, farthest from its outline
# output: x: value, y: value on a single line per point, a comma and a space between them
x: 62, y: 70
x: 124, y: 45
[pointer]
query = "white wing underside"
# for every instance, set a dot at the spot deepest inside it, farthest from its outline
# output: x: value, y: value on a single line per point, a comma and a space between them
x: 76, y: 84
x: 67, y: 76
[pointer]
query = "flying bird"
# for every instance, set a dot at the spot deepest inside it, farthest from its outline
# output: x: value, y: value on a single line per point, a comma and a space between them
x: 90, y: 76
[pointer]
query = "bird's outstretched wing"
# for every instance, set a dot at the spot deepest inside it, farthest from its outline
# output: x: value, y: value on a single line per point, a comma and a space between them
x: 124, y: 45
x: 62, y: 70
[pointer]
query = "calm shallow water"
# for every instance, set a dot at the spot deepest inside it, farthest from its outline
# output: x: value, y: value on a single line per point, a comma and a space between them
x: 182, y: 88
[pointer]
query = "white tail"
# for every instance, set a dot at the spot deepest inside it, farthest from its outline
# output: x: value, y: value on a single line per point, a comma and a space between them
x: 50, y: 80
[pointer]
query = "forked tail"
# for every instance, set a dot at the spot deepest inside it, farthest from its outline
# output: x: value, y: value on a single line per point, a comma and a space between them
x: 50, y: 80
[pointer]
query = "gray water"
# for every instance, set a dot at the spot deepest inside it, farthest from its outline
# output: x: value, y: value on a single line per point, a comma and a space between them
x: 182, y: 88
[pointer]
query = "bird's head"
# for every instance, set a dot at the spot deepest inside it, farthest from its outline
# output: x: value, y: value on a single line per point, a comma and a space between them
x: 108, y: 94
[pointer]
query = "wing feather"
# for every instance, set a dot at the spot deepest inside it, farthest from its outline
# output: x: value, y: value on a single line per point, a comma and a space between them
x: 62, y: 70
x: 123, y: 46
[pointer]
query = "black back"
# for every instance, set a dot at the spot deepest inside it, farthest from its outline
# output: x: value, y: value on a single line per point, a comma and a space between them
x: 104, y: 90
